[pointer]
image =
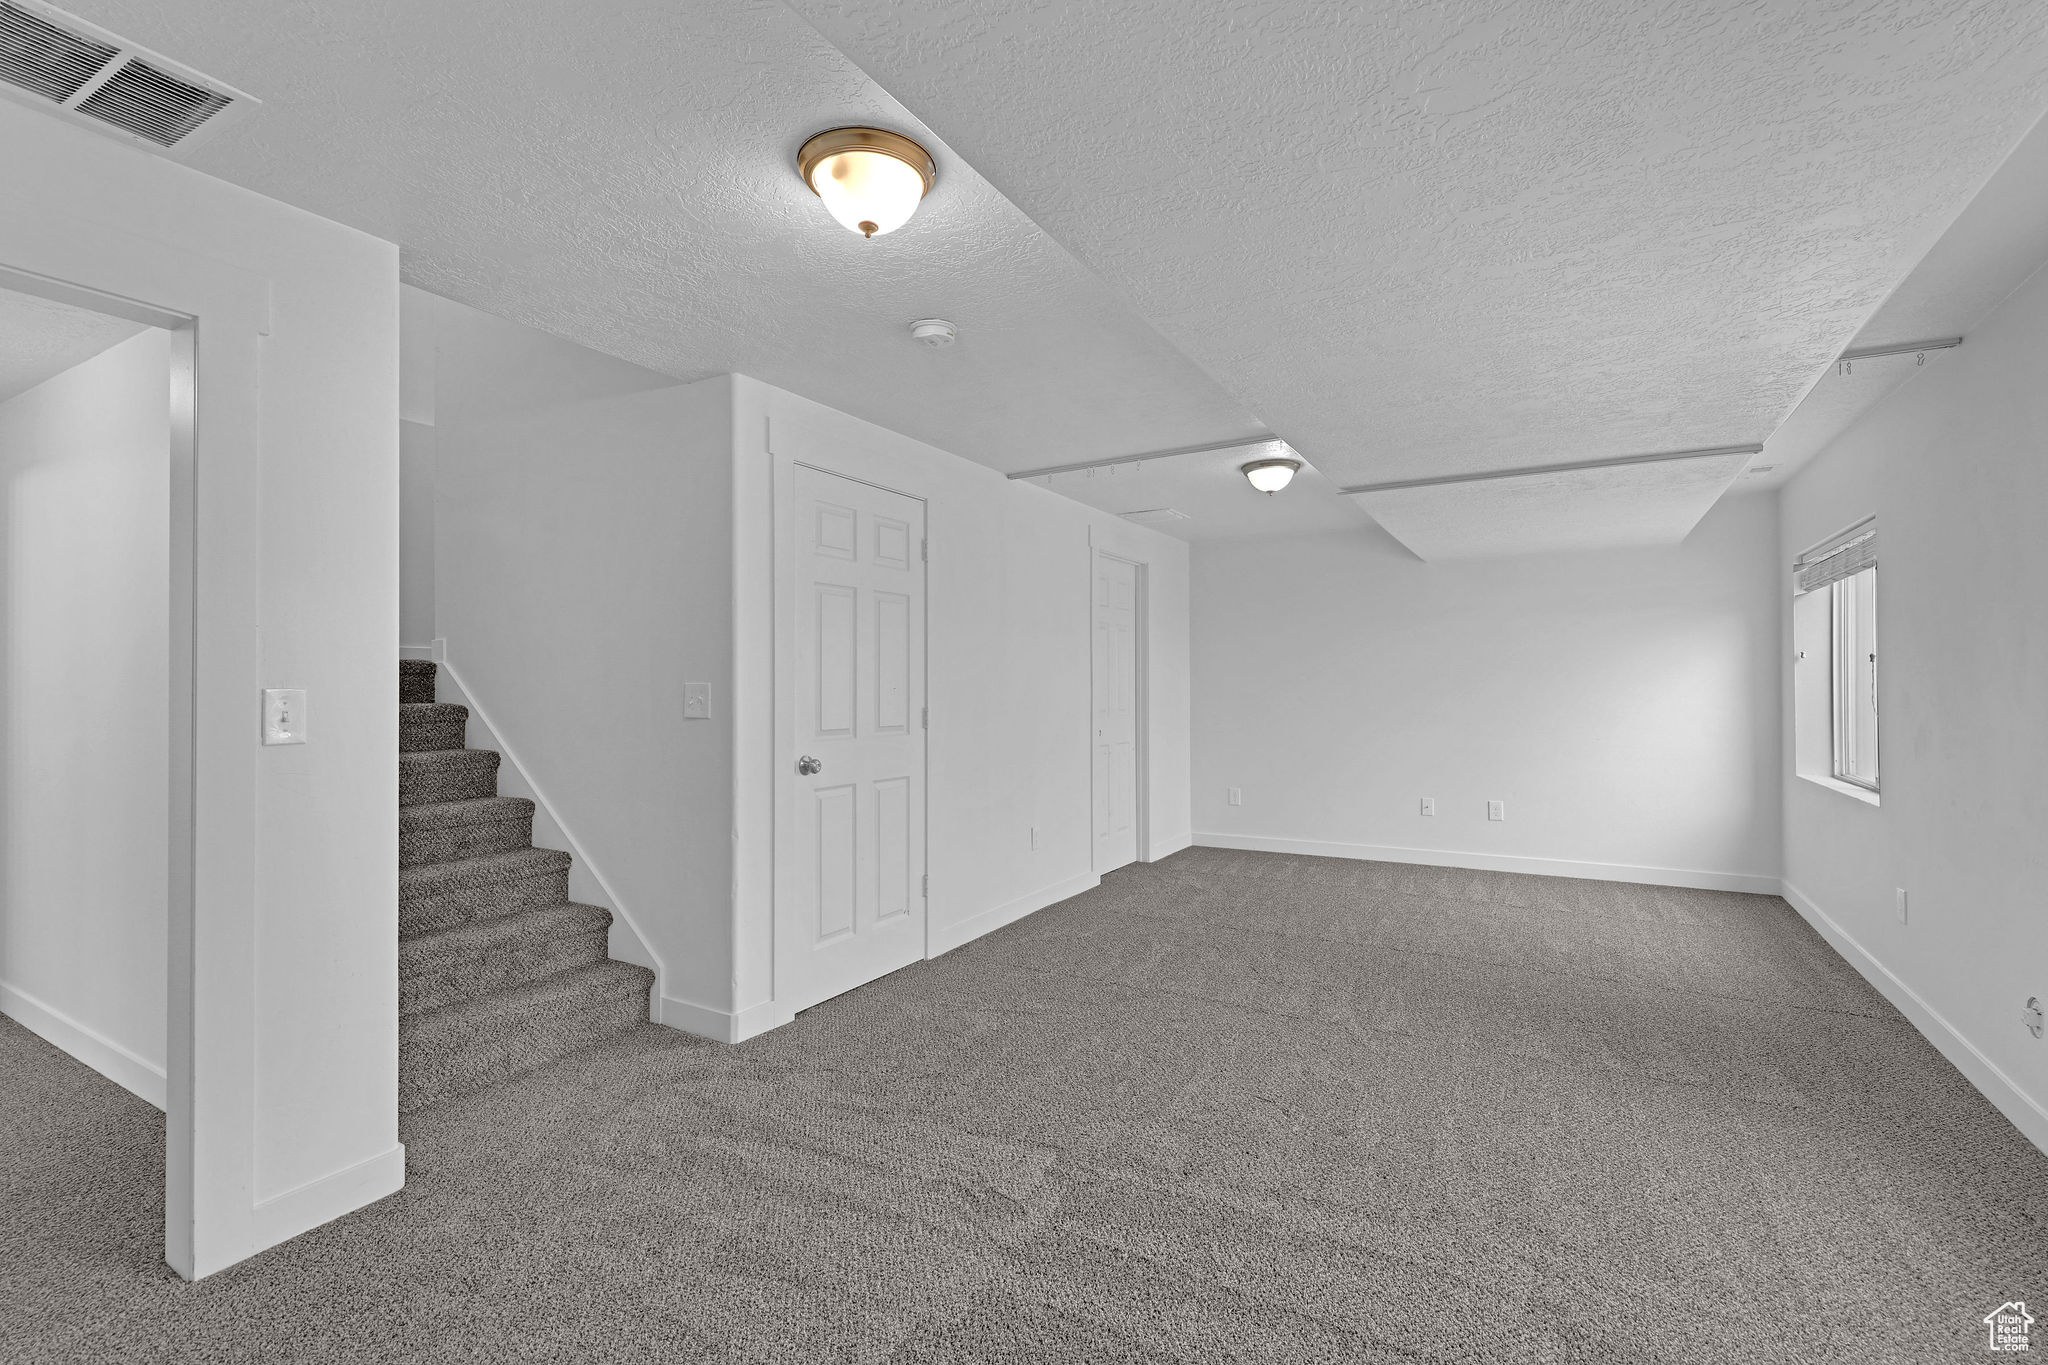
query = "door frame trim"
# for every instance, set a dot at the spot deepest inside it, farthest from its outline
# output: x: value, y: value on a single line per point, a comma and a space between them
x: 1141, y: 682
x: 215, y: 1212
x: 846, y: 464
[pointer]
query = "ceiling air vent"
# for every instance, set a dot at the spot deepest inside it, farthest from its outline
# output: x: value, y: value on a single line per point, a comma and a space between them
x: 1156, y: 516
x: 144, y: 101
x: 57, y: 62
x: 44, y: 59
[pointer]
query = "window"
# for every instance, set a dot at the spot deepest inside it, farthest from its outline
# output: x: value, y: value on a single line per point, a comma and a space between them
x: 1854, y: 612
x: 1835, y: 682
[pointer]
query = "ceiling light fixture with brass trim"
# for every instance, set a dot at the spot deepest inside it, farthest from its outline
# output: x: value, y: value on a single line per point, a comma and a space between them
x: 870, y: 178
x: 1270, y: 476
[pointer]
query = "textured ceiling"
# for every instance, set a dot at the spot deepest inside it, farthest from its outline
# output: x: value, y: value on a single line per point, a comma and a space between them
x: 40, y: 339
x: 1413, y: 240
x: 1993, y: 246
x: 623, y: 175
x: 1210, y: 491
x: 1474, y: 236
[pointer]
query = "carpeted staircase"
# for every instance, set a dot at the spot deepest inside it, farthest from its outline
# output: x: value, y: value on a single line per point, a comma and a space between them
x: 498, y: 970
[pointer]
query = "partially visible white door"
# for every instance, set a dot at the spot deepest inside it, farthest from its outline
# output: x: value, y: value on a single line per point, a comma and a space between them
x: 857, y: 908
x: 1116, y: 713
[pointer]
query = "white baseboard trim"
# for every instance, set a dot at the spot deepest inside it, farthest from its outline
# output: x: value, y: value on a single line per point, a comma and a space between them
x: 1754, y: 882
x: 723, y: 1026
x: 124, y: 1068
x: 2027, y: 1114
x: 1166, y: 848
x: 736, y: 1026
x: 945, y: 938
x: 758, y: 1019
x: 629, y: 942
x: 285, y: 1215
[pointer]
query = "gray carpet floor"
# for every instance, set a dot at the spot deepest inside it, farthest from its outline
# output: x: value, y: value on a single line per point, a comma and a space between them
x: 1229, y: 1107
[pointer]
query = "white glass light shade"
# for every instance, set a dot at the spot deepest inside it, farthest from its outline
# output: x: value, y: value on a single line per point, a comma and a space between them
x: 1270, y: 476
x: 870, y: 192
x: 870, y: 179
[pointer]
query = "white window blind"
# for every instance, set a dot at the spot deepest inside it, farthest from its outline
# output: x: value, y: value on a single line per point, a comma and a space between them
x: 1831, y: 561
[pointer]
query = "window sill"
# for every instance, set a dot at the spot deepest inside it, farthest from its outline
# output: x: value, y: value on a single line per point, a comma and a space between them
x: 1863, y: 794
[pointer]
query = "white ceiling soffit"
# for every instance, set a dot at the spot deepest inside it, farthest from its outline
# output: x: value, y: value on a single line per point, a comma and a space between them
x: 1210, y: 493
x: 1588, y: 507
x: 1420, y: 240
x: 40, y: 339
x: 624, y: 176
x: 1997, y: 242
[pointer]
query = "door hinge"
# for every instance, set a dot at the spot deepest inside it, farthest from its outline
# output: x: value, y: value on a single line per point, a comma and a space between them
x: 924, y: 551
x: 924, y: 717
x: 925, y: 889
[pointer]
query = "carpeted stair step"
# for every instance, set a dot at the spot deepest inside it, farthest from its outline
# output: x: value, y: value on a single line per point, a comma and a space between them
x: 416, y: 679
x: 455, y: 965
x: 452, y: 1051
x: 436, y: 896
x: 446, y: 775
x: 423, y: 726
x: 448, y: 830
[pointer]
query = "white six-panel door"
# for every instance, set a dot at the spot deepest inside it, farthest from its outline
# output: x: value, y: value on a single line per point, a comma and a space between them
x: 1115, y: 745
x: 857, y: 905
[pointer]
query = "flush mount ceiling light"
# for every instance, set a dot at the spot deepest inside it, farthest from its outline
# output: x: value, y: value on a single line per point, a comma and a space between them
x: 870, y: 178
x: 1270, y: 476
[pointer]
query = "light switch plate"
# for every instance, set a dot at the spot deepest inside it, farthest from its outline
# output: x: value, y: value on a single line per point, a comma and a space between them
x: 696, y: 701
x: 284, y: 715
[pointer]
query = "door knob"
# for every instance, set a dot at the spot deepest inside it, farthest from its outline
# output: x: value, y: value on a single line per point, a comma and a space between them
x: 808, y: 765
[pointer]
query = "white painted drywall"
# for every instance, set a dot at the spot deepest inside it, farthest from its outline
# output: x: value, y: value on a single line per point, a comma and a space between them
x: 1008, y: 675
x: 582, y: 574
x: 285, y: 1114
x: 416, y: 444
x: 85, y: 471
x: 1622, y: 703
x: 603, y: 534
x: 1951, y: 464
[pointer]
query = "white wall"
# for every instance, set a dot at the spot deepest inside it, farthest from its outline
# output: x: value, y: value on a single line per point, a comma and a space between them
x: 416, y: 450
x: 283, y: 990
x: 582, y: 562
x: 85, y: 470
x: 1008, y: 676
x: 1623, y: 704
x: 1952, y: 465
x: 604, y: 534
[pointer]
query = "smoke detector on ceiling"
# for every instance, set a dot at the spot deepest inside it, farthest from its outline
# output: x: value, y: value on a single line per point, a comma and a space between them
x: 60, y: 64
x: 933, y: 332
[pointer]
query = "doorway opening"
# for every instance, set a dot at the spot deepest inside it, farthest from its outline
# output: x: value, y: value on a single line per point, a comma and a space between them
x: 1117, y: 735
x: 94, y: 447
